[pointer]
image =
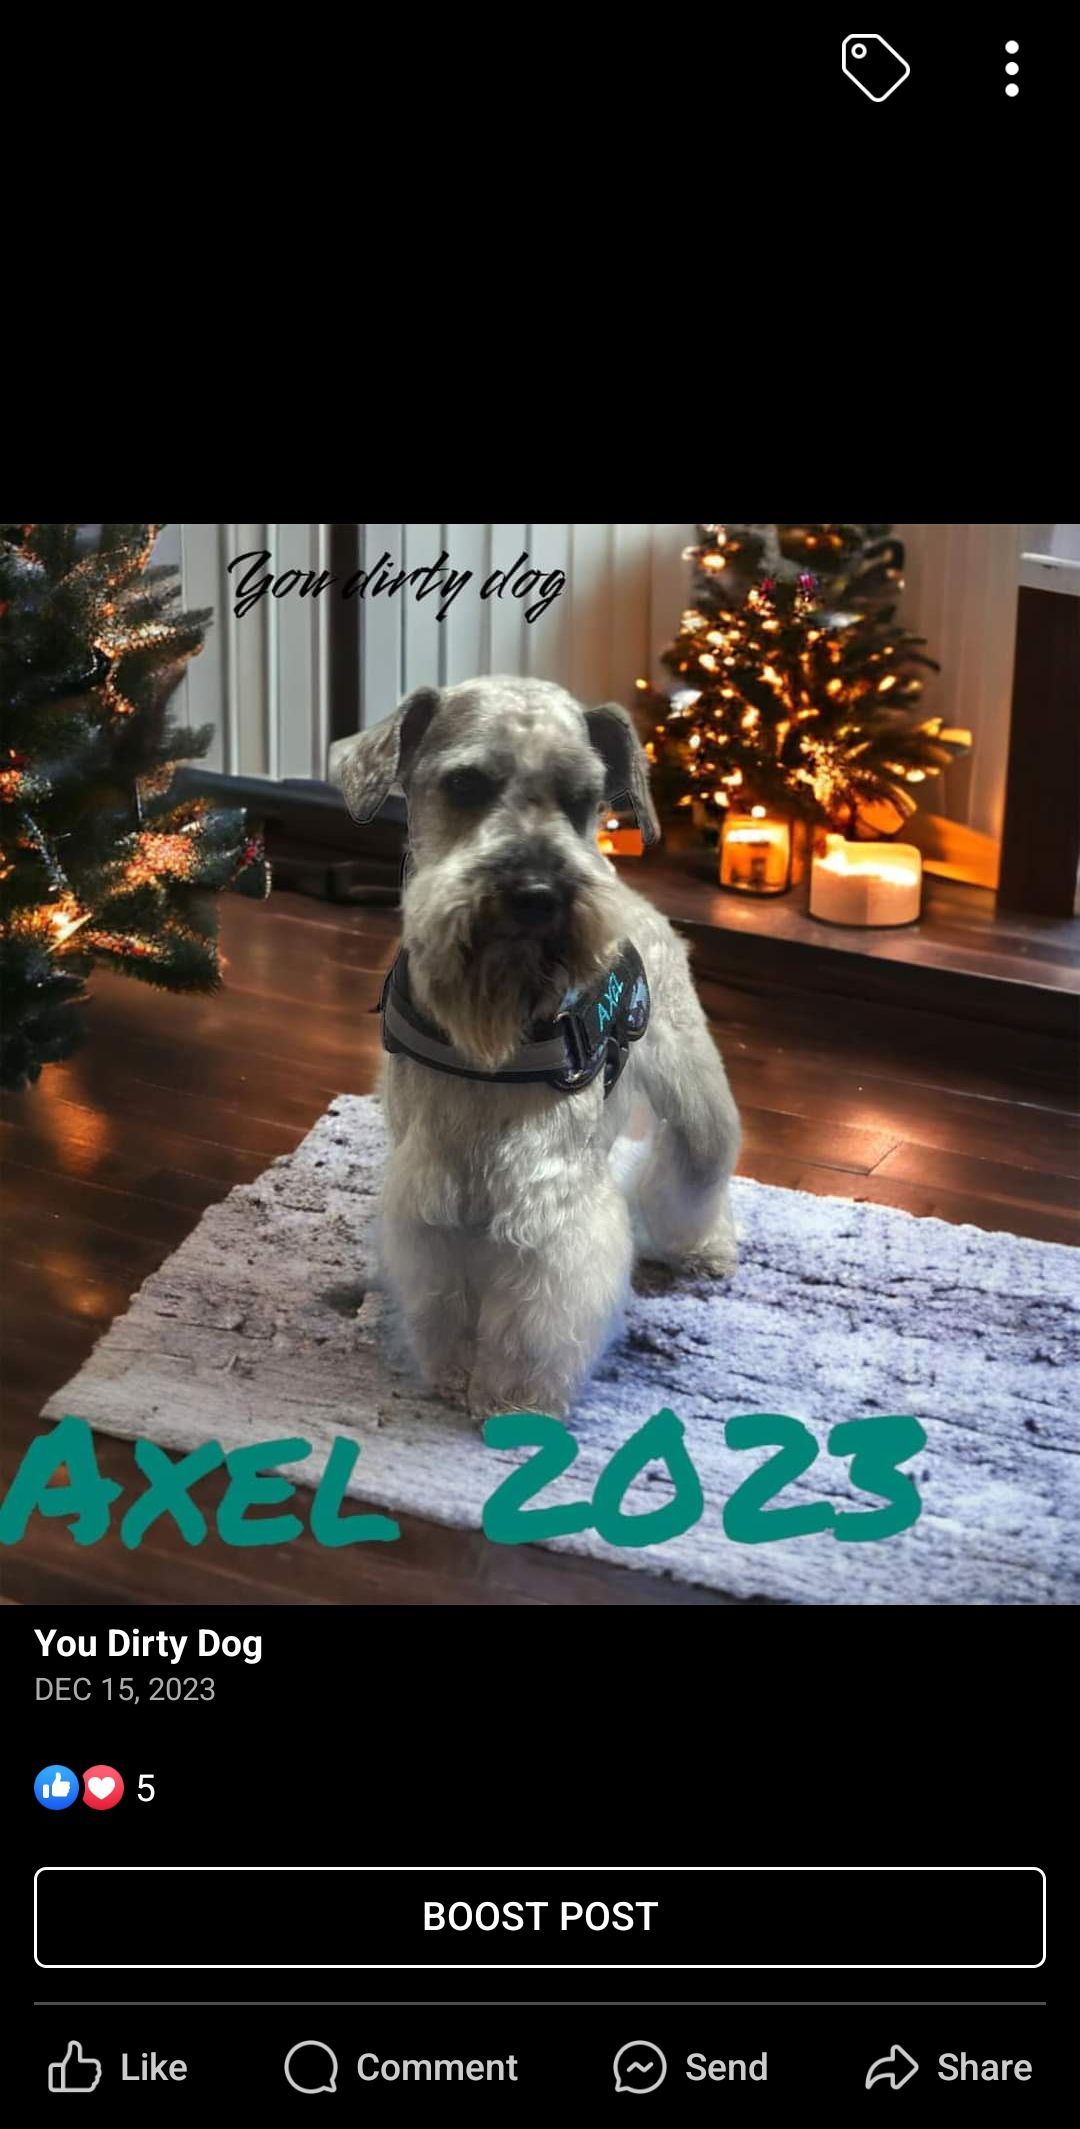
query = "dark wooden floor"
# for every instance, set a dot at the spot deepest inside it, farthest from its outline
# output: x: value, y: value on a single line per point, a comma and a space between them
x: 109, y: 1162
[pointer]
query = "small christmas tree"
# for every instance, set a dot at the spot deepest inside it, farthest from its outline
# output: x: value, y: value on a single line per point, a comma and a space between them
x: 101, y: 863
x: 796, y: 687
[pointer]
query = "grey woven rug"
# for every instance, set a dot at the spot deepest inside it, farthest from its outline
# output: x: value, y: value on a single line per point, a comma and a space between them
x: 265, y: 1323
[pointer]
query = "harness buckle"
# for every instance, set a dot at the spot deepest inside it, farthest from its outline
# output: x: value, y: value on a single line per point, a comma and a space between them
x: 585, y: 1063
x: 582, y: 1052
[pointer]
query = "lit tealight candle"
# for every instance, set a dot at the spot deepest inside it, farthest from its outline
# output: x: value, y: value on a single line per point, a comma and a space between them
x: 869, y: 884
x: 755, y: 852
x: 617, y: 841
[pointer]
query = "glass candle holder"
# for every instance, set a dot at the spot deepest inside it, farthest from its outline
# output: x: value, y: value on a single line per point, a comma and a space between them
x: 758, y: 852
x: 876, y: 885
x: 617, y: 840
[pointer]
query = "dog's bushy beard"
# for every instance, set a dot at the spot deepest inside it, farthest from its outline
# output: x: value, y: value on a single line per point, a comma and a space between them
x: 484, y: 982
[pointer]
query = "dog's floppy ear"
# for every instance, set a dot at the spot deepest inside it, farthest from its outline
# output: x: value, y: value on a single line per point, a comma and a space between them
x: 611, y: 729
x: 368, y: 764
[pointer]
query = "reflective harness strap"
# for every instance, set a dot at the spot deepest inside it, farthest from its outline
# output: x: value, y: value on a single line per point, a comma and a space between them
x: 590, y: 1034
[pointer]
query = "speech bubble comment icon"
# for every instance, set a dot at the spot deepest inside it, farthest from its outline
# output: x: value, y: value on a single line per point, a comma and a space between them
x: 874, y: 65
x: 310, y: 2066
x: 639, y: 2066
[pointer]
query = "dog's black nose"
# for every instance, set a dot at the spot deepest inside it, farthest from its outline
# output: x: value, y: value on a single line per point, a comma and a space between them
x: 534, y: 904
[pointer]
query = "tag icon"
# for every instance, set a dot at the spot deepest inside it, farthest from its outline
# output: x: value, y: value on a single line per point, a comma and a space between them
x: 874, y: 65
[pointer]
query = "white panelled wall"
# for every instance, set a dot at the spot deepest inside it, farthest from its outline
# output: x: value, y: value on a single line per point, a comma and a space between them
x: 263, y: 680
x: 961, y: 588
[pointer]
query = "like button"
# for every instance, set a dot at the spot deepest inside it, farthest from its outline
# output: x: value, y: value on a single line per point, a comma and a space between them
x: 76, y: 2073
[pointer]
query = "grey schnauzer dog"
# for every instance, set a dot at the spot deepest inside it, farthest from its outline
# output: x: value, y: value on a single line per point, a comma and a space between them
x: 512, y: 1210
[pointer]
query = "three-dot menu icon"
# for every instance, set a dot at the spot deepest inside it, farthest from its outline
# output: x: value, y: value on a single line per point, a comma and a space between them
x: 1012, y: 67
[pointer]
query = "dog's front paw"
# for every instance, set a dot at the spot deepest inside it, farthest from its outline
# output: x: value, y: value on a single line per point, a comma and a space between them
x: 489, y: 1396
x: 715, y: 1258
x: 450, y: 1385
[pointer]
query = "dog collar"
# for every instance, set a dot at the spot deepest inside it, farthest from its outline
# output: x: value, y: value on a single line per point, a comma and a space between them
x: 591, y: 1032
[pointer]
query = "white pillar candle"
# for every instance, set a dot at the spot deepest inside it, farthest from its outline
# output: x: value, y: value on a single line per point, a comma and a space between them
x: 873, y: 884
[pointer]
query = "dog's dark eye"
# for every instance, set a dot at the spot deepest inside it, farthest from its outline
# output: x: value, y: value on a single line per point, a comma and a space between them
x: 470, y: 788
x: 579, y: 805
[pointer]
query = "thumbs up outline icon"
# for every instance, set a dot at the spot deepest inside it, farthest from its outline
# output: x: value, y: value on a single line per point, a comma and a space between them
x: 75, y: 2072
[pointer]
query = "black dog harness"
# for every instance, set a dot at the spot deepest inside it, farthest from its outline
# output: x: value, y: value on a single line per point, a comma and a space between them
x: 591, y: 1032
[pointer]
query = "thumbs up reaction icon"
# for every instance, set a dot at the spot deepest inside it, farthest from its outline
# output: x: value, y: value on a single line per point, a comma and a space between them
x: 76, y: 2073
x: 56, y: 1787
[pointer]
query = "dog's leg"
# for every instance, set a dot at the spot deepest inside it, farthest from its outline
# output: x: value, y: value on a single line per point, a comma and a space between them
x: 548, y: 1310
x: 679, y: 1200
x: 425, y: 1267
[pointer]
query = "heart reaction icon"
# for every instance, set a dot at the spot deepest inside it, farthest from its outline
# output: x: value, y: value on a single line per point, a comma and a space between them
x: 102, y: 1788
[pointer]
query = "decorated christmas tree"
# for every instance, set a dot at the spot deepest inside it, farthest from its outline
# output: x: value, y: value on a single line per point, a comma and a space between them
x: 102, y: 863
x: 796, y: 687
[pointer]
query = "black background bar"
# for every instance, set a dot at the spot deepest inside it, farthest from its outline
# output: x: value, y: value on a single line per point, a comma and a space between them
x: 740, y: 1917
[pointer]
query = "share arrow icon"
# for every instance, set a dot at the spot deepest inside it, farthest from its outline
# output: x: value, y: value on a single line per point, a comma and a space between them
x: 894, y: 2069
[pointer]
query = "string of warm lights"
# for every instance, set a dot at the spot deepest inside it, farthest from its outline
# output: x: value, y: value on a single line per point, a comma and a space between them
x: 794, y: 682
x: 100, y: 861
